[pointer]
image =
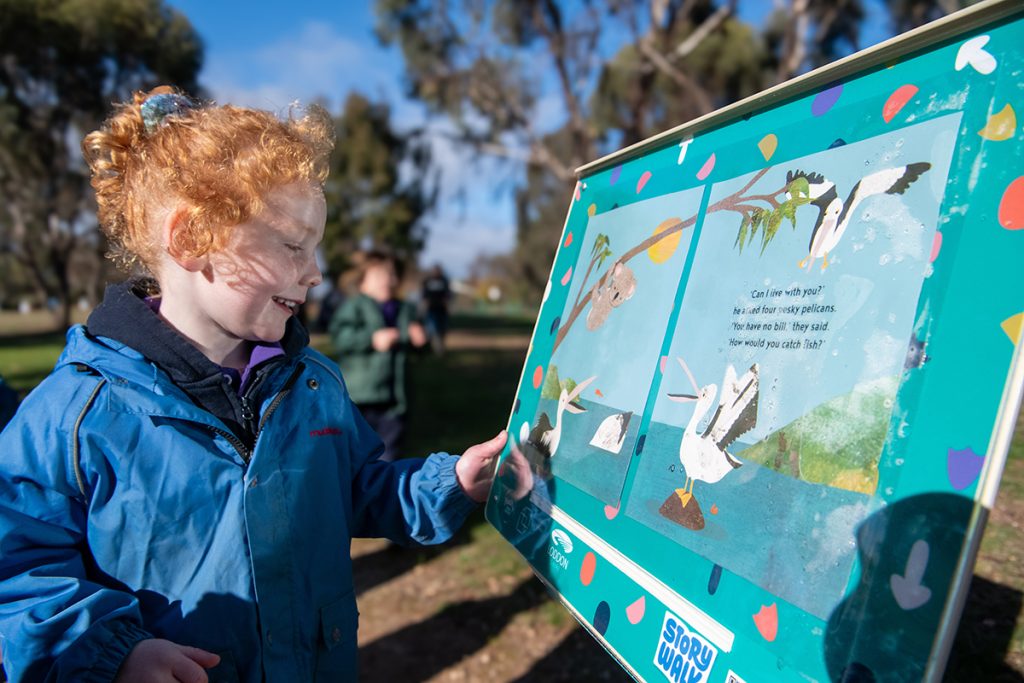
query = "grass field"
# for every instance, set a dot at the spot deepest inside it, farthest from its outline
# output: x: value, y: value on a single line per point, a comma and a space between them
x: 471, y: 611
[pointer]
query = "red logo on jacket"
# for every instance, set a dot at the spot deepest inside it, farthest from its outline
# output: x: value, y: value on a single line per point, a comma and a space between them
x: 326, y: 431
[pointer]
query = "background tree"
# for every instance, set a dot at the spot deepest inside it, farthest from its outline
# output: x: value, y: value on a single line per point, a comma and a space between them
x: 620, y: 71
x: 380, y: 187
x: 62, y: 64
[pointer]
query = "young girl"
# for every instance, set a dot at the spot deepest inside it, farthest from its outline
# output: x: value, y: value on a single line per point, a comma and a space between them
x: 178, y: 497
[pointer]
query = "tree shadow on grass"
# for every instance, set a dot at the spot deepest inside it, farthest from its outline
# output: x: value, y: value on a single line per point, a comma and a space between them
x: 422, y: 650
x: 577, y: 658
x: 985, y: 635
x: 391, y: 561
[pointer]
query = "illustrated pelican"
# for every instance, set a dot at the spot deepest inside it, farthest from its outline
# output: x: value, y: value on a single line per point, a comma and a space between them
x: 704, y: 456
x: 834, y: 214
x: 545, y: 436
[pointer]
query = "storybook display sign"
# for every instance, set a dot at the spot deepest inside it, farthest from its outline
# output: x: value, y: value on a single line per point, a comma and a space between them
x: 773, y: 380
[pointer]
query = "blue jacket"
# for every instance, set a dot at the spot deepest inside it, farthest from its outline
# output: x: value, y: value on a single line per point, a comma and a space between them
x: 128, y: 512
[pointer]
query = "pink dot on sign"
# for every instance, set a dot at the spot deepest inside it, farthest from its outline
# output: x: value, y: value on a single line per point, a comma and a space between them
x: 577, y: 192
x: 643, y: 181
x: 897, y: 101
x: 767, y: 621
x: 661, y: 363
x: 538, y: 377
x: 616, y: 172
x: 567, y: 276
x: 611, y: 512
x: 706, y: 169
x: 587, y: 568
x: 1011, y: 206
x: 568, y: 239
x: 936, y: 246
x: 635, y: 612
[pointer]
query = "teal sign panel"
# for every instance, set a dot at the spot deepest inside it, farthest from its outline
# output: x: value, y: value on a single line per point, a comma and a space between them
x: 772, y: 383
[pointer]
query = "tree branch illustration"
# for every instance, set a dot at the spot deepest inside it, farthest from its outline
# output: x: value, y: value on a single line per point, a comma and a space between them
x: 738, y: 202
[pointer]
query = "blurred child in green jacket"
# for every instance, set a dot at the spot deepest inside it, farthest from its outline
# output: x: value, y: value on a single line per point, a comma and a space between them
x: 372, y: 331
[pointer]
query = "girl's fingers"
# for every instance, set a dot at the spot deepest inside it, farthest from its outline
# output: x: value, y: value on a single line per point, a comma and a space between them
x: 201, y: 657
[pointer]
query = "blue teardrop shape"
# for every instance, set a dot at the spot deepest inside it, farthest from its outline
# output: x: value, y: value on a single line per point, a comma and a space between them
x: 602, y: 616
x: 716, y: 576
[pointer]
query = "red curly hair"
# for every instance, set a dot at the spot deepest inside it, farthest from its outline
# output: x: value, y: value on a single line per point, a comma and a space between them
x: 219, y: 161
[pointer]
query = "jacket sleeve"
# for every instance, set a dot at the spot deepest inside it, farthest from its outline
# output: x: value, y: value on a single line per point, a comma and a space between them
x: 57, y: 623
x: 408, y: 501
x: 350, y: 331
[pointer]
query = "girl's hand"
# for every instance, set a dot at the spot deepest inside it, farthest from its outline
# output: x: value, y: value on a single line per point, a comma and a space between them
x: 161, y: 661
x: 475, y: 468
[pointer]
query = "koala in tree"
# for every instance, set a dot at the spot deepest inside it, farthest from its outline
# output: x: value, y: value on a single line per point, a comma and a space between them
x: 618, y: 287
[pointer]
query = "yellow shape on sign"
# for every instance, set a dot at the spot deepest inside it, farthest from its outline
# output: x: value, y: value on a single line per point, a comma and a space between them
x: 662, y: 250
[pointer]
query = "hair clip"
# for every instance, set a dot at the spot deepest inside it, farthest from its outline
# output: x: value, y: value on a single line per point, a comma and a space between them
x: 157, y: 108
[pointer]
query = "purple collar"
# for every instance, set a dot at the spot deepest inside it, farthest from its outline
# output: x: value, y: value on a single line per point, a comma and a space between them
x: 261, y: 351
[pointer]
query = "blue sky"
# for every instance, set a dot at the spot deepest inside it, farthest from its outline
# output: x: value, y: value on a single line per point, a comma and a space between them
x: 268, y: 54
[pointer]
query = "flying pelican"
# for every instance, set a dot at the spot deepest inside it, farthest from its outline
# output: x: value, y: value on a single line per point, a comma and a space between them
x: 545, y: 436
x: 705, y: 457
x: 834, y: 214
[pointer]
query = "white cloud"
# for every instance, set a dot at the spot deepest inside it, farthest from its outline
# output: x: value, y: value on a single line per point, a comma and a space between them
x: 456, y: 246
x: 317, y: 61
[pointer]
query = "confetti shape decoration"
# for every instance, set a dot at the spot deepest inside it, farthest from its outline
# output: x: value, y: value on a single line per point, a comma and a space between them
x: 662, y: 250
x: 1011, y: 206
x: 602, y: 617
x: 826, y: 99
x: 907, y: 588
x: 576, y: 193
x: 683, y: 146
x: 538, y: 376
x: 568, y: 239
x: 768, y: 144
x: 661, y: 364
x: 612, y: 512
x: 524, y: 431
x: 897, y: 101
x: 555, y: 323
x: 1012, y: 326
x: 643, y: 181
x: 587, y: 568
x: 972, y: 52
x: 767, y: 621
x: 936, y: 246
x: 706, y: 169
x: 1001, y: 125
x: 635, y: 612
x: 567, y: 276
x: 963, y: 467
x: 591, y: 210
x: 616, y: 172
x: 714, y: 579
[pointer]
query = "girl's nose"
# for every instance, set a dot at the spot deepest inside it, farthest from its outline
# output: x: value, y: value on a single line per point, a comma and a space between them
x: 313, y: 276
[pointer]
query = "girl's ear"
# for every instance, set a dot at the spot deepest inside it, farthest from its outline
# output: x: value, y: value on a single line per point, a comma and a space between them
x: 173, y: 229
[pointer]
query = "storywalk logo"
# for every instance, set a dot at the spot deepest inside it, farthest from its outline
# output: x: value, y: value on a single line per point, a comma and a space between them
x: 683, y: 655
x: 559, y: 548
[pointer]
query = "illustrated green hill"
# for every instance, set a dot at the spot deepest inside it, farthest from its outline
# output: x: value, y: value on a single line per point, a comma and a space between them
x: 837, y: 443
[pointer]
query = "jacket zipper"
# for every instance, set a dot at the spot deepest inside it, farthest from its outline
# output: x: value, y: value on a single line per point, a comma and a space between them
x: 248, y: 415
